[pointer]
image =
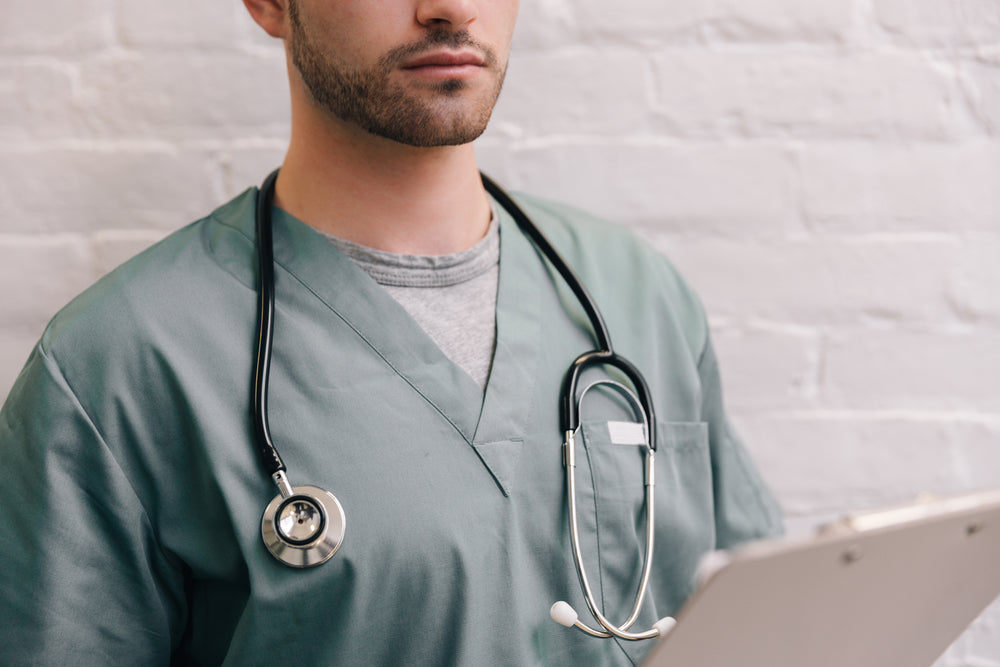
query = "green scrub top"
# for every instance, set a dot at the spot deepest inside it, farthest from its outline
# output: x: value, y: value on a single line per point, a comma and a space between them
x: 131, y: 496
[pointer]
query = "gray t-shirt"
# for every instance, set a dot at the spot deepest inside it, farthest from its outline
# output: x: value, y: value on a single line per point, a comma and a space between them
x: 453, y: 297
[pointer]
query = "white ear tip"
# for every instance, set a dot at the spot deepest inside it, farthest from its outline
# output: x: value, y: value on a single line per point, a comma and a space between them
x: 665, y: 625
x: 563, y: 614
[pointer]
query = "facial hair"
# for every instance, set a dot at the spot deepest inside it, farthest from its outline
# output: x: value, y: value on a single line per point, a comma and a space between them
x: 369, y: 99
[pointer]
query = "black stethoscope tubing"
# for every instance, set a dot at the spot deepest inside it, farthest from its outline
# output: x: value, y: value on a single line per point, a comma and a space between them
x: 266, y: 451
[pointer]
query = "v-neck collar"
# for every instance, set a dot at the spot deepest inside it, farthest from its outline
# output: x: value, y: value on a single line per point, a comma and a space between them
x: 494, y: 423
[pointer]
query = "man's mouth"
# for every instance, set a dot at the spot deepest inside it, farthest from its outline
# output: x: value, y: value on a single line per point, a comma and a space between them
x: 445, y: 64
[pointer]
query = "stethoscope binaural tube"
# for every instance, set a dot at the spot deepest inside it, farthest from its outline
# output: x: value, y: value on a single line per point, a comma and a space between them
x: 302, y: 526
x: 561, y: 611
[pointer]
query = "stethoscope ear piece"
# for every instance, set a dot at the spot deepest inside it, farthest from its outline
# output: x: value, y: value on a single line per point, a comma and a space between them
x: 303, y: 529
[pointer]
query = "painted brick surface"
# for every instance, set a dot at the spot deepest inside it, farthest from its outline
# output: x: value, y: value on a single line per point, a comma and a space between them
x: 63, y: 28
x: 825, y: 173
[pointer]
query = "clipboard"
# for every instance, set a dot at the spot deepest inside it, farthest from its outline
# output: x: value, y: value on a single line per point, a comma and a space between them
x: 887, y: 589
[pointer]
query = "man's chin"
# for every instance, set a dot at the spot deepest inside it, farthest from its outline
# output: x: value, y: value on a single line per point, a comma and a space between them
x: 431, y: 126
x: 433, y: 137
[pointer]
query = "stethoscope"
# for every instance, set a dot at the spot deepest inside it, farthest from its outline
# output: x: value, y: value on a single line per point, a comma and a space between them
x: 304, y: 526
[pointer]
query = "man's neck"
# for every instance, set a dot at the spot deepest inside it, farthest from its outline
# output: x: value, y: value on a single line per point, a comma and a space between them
x: 383, y: 194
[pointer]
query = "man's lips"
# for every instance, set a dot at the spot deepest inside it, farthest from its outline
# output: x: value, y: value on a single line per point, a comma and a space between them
x: 457, y: 60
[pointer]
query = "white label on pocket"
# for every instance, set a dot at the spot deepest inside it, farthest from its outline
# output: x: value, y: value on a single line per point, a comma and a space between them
x: 627, y: 433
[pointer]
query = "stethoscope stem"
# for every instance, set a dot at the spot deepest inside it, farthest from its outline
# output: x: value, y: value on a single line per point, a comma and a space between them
x: 284, y: 486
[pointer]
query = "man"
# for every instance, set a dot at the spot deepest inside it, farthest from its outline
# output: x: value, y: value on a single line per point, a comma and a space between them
x: 420, y: 343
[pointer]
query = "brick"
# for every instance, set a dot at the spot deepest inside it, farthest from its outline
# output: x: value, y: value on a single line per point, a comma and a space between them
x: 754, y: 20
x: 546, y: 24
x: 646, y: 20
x: 106, y: 187
x: 827, y: 464
x: 776, y: 93
x: 544, y: 93
x: 983, y: 80
x: 740, y: 280
x: 249, y: 164
x: 111, y: 248
x: 187, y: 96
x: 16, y: 343
x: 973, y: 284
x: 48, y: 272
x: 766, y: 367
x: 178, y: 24
x: 928, y: 187
x: 820, y: 281
x: 37, y: 101
x: 652, y: 21
x: 893, y: 279
x: 926, y: 370
x: 55, y: 26
x: 933, y: 23
x: 976, y: 456
x: 737, y: 190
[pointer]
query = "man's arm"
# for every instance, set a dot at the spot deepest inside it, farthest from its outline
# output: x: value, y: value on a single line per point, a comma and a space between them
x: 744, y: 507
x: 84, y: 580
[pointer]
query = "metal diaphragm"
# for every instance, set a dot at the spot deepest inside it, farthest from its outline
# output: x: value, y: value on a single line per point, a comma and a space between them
x: 304, y: 529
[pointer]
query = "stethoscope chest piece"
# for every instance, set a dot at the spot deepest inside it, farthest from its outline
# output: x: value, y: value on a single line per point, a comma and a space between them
x: 304, y: 529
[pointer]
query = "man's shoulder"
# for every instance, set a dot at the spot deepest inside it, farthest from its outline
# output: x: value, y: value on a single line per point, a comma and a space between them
x: 556, y: 217
x: 595, y: 245
x: 612, y: 261
x: 588, y: 237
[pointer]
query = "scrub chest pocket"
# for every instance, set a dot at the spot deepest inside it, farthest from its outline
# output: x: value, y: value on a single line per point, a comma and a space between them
x: 612, y: 519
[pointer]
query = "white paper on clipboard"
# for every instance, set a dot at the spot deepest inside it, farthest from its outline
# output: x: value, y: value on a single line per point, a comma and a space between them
x: 887, y: 589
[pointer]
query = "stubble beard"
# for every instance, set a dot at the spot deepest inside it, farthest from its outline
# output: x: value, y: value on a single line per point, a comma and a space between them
x: 368, y: 99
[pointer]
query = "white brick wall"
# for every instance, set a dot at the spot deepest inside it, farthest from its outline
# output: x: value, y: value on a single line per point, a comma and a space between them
x: 825, y: 172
